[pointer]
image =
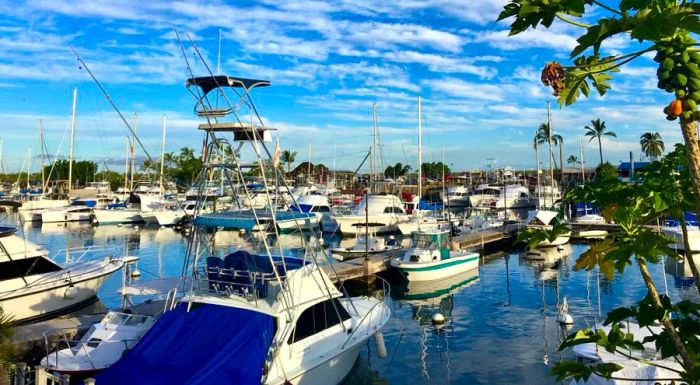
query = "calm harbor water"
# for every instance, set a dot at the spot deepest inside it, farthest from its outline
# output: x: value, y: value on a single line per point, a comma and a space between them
x: 500, y: 327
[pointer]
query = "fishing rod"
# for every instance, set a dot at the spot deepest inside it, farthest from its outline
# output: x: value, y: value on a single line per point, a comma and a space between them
x: 111, y: 102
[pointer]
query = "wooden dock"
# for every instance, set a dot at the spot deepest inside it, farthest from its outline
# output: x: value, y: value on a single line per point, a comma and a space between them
x: 480, y: 239
x: 359, y: 268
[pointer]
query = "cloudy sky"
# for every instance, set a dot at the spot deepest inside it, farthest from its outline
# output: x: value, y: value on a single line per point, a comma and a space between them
x: 328, y: 63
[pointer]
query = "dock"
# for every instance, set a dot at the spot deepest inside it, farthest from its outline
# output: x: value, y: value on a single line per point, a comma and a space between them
x: 480, y: 239
x: 361, y: 268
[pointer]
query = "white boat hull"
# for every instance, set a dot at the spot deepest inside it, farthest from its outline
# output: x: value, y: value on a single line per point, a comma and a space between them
x: 64, y: 215
x: 559, y: 241
x: 31, y: 302
x: 677, y: 234
x: 104, y: 216
x: 332, y: 372
x: 348, y: 225
x: 290, y: 226
x: 168, y: 218
x: 440, y: 269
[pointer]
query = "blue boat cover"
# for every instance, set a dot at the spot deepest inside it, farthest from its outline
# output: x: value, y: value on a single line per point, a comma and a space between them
x: 690, y: 219
x: 426, y: 205
x: 210, y: 344
x: 243, y: 220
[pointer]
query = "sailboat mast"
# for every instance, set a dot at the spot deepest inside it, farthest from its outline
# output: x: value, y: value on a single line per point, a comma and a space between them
x: 580, y: 149
x: 2, y: 167
x: 41, y: 144
x: 162, y: 154
x: 29, y: 168
x: 308, y: 165
x: 72, y: 137
x: 335, y: 149
x: 420, y: 155
x: 133, y: 154
x: 126, y: 164
x: 551, y: 155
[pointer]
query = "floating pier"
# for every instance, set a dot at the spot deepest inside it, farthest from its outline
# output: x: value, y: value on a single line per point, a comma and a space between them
x: 361, y: 268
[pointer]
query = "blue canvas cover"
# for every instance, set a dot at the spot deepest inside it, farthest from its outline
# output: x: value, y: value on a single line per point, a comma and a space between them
x: 210, y: 344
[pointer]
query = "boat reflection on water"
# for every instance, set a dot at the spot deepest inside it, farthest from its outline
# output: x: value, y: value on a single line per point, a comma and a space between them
x: 680, y: 270
x: 432, y: 304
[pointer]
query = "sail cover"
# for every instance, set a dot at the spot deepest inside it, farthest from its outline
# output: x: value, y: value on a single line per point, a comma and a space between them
x: 210, y: 344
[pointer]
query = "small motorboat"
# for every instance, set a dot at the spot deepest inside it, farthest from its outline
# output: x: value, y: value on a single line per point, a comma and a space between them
x: 430, y: 257
x: 365, y: 244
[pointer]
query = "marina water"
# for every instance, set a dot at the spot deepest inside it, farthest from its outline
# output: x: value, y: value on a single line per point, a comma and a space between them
x: 500, y: 323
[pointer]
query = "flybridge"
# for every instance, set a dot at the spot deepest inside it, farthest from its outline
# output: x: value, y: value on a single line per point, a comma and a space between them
x: 206, y: 84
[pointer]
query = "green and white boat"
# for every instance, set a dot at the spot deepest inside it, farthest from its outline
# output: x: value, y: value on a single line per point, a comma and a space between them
x: 430, y: 257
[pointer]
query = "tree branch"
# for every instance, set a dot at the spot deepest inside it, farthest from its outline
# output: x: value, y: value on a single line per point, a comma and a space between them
x: 572, y: 22
x: 598, y: 3
x: 668, y: 324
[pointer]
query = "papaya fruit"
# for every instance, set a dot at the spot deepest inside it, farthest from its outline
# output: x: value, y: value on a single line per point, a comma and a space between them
x: 685, y: 58
x: 695, y: 96
x: 675, y: 108
x: 665, y: 75
x: 668, y: 64
x: 693, y: 84
x: 689, y: 105
x: 687, y: 115
x: 680, y: 80
x: 692, y: 69
x: 694, y: 57
x: 680, y: 93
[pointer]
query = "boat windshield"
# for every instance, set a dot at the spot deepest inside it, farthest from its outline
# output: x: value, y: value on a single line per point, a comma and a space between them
x: 124, y: 319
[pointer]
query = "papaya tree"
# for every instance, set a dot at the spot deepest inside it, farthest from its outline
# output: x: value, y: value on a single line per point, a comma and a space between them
x: 663, y: 29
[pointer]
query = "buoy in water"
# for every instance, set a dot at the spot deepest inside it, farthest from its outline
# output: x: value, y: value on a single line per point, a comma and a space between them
x: 136, y: 227
x: 379, y: 342
x: 565, y: 318
x: 438, y: 319
x: 135, y: 273
x: 119, y: 225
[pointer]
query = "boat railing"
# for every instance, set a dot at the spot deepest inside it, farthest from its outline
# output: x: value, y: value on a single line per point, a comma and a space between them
x: 57, y: 340
x: 251, y: 285
x: 78, y: 254
x: 39, y: 375
x: 385, y: 300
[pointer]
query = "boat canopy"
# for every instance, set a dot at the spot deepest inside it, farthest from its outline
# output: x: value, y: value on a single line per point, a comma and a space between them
x: 244, y: 219
x: 208, y: 83
x: 542, y: 217
x: 209, y: 344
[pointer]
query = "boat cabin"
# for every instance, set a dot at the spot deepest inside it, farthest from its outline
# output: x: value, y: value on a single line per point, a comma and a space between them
x: 427, y: 246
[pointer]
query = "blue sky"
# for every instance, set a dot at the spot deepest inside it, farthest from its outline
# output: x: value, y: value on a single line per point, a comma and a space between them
x: 328, y: 62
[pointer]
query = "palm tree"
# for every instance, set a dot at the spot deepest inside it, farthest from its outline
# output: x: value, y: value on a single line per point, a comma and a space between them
x: 652, y: 145
x: 542, y: 137
x: 597, y: 129
x: 573, y: 159
x: 288, y: 157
